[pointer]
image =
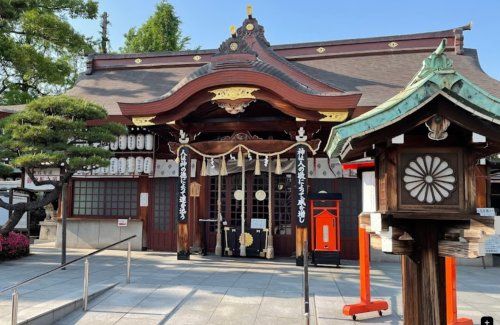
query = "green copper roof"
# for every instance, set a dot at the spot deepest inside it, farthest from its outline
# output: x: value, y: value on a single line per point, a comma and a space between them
x: 436, y: 77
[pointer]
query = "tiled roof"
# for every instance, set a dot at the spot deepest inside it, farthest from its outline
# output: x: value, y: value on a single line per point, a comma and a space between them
x: 368, y: 66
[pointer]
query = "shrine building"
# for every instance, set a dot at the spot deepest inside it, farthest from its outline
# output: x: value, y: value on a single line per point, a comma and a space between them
x: 232, y: 140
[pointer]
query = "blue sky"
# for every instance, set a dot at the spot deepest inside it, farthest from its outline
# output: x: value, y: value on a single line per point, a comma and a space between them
x: 290, y: 21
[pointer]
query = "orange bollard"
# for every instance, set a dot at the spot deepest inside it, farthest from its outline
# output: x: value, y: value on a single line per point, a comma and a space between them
x: 366, y: 305
x: 451, y: 294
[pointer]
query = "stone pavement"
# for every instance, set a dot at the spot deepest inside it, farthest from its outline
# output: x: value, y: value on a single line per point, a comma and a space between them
x: 212, y: 290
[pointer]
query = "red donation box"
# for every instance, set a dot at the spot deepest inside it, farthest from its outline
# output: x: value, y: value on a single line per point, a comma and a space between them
x: 325, y: 228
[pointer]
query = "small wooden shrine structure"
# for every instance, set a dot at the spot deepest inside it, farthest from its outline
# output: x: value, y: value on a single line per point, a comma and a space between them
x: 427, y: 142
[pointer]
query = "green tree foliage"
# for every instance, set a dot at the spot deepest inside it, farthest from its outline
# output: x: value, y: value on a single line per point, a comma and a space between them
x: 39, y: 49
x: 54, y: 132
x: 161, y: 32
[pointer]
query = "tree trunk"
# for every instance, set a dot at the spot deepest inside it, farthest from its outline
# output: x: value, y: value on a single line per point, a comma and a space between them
x: 16, y: 215
x: 18, y: 209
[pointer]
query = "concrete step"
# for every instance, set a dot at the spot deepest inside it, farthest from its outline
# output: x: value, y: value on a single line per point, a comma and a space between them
x: 54, y: 309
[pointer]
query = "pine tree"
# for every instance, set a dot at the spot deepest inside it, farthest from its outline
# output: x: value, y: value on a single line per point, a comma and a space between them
x: 53, y: 132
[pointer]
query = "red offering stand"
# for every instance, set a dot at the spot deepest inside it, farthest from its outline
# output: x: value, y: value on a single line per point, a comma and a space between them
x: 366, y: 304
x: 325, y: 228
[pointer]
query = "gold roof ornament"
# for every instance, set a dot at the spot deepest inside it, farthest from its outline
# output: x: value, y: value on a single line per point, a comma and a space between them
x: 196, y: 58
x: 143, y: 120
x: 138, y: 60
x: 334, y: 116
x: 249, y: 11
x: 392, y: 44
x: 232, y: 29
x: 233, y: 99
x: 233, y: 93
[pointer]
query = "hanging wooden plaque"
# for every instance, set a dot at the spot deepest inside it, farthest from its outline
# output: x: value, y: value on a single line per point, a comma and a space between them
x: 301, y: 179
x: 183, y: 183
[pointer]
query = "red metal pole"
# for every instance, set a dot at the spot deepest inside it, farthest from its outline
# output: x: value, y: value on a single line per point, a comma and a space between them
x: 451, y: 294
x: 366, y: 305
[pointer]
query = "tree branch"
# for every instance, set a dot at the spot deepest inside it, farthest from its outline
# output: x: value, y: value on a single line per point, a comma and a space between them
x: 31, y: 175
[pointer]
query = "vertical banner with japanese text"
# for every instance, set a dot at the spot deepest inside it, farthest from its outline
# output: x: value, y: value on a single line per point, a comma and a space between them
x: 183, y: 192
x: 301, y: 177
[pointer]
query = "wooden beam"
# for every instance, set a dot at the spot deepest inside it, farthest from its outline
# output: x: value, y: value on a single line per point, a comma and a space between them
x: 467, y: 249
x: 396, y: 247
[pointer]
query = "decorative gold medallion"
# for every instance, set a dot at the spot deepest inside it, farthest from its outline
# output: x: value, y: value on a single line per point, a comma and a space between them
x: 143, y: 120
x: 248, y: 239
x: 138, y: 60
x: 249, y: 26
x: 233, y: 93
x: 233, y: 46
x: 196, y: 58
x: 392, y: 44
x: 321, y: 50
x: 334, y: 116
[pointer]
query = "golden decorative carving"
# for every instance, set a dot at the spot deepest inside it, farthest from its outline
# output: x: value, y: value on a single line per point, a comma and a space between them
x: 197, y: 58
x: 249, y: 10
x: 138, y: 60
x: 233, y: 93
x: 143, y: 120
x: 334, y: 116
x: 234, y: 99
x: 233, y: 46
x: 321, y: 50
x: 249, y: 27
x: 392, y: 44
x: 232, y: 30
x: 248, y: 239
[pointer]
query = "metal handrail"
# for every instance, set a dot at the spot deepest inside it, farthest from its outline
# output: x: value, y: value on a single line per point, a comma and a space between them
x: 15, y: 293
x: 64, y: 265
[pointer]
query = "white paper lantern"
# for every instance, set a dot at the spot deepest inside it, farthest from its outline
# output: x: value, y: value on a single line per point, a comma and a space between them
x: 105, y: 170
x: 149, y: 142
x: 122, y: 142
x: 131, y: 142
x: 113, y: 166
x: 148, y: 165
x: 139, y: 165
x: 105, y: 146
x: 131, y: 165
x: 139, y: 142
x: 114, y: 145
x: 122, y: 165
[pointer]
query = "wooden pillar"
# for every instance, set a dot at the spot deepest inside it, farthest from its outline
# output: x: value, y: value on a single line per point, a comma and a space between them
x: 302, y: 210
x: 183, y: 204
x: 423, y: 277
x: 143, y: 185
x: 481, y: 176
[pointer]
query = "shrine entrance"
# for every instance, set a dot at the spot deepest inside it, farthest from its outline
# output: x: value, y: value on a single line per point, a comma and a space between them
x: 257, y: 197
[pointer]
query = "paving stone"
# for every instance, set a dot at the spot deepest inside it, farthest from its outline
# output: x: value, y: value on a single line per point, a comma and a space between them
x: 213, y: 290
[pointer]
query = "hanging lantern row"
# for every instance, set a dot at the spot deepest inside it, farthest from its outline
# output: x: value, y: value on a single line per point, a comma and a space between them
x: 133, y: 142
x: 241, y: 149
x: 126, y: 166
